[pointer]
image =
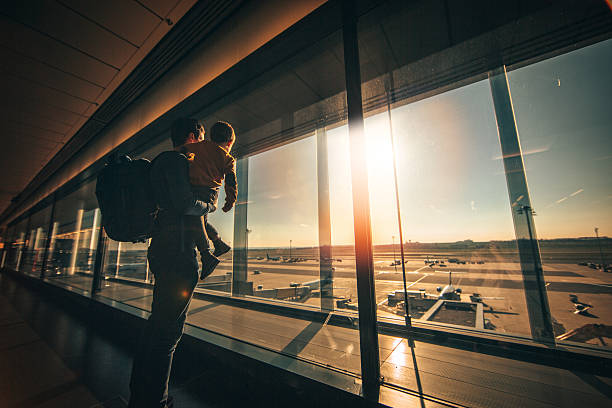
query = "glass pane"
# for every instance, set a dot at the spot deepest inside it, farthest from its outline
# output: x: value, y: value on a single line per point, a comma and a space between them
x: 455, y: 212
x: 6, y: 245
x: 75, y: 229
x: 130, y: 260
x: 561, y: 108
x: 37, y: 240
x: 283, y: 249
x: 18, y: 241
x: 27, y: 253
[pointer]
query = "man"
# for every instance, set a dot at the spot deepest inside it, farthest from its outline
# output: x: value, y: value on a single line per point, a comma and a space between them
x: 172, y: 260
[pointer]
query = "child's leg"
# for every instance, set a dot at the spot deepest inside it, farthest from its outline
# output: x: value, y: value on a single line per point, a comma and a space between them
x: 198, y: 232
x: 211, y: 231
x: 209, y: 261
x: 220, y: 246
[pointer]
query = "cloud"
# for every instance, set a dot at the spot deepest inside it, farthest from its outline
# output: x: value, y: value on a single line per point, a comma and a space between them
x: 525, y: 153
x: 275, y: 196
x: 576, y: 192
x: 559, y: 201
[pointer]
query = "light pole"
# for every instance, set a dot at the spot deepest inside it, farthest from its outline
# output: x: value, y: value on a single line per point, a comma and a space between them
x: 290, y: 241
x: 603, y: 261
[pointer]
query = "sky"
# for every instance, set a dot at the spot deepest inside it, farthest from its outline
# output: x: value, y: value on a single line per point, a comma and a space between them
x: 451, y: 178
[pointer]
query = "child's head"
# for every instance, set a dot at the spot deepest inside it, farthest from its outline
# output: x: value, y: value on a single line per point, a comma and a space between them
x: 186, y: 130
x: 223, y: 134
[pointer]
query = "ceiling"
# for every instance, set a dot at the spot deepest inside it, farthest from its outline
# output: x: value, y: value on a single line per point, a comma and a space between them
x: 61, y: 59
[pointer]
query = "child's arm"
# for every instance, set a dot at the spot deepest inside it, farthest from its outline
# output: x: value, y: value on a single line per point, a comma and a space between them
x: 231, y: 186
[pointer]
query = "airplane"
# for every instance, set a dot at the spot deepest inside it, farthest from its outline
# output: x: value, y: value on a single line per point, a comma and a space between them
x: 581, y: 307
x: 397, y: 262
x: 294, y: 260
x: 448, y: 292
x: 272, y: 258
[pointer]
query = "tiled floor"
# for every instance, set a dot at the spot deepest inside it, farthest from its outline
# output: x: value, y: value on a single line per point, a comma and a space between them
x: 460, y: 376
x: 31, y: 373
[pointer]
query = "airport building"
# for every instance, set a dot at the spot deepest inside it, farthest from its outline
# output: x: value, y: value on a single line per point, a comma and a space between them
x: 424, y: 212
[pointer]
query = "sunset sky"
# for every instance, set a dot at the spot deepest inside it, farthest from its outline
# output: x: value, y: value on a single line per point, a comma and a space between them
x: 451, y: 176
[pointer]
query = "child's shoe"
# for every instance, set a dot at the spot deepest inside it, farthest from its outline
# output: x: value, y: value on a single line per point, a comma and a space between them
x: 220, y: 247
x: 209, y: 263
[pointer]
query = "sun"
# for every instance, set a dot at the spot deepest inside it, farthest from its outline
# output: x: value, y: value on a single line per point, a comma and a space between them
x: 379, y: 152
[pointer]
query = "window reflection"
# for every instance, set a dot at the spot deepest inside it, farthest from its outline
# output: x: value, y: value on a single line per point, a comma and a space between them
x: 74, y: 234
x: 37, y: 239
x: 126, y: 260
x: 15, y: 250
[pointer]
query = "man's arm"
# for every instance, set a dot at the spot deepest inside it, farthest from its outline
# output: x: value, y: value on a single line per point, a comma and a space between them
x: 199, y: 208
x: 231, y: 186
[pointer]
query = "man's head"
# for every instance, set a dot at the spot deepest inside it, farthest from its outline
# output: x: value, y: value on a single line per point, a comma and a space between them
x: 186, y: 130
x: 223, y: 134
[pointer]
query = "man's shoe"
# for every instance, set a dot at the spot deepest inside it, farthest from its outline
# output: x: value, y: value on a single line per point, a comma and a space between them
x: 209, y: 263
x: 220, y: 248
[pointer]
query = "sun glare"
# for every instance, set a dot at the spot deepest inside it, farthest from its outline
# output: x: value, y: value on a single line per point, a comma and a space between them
x: 378, y: 145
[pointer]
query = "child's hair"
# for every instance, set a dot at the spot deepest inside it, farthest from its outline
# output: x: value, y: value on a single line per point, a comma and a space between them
x: 221, y: 132
x: 181, y: 128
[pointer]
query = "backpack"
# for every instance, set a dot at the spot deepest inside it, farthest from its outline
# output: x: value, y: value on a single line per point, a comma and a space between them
x: 125, y: 199
x: 169, y: 177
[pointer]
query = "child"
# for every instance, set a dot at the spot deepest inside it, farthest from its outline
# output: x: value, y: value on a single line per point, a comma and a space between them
x: 211, y: 165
